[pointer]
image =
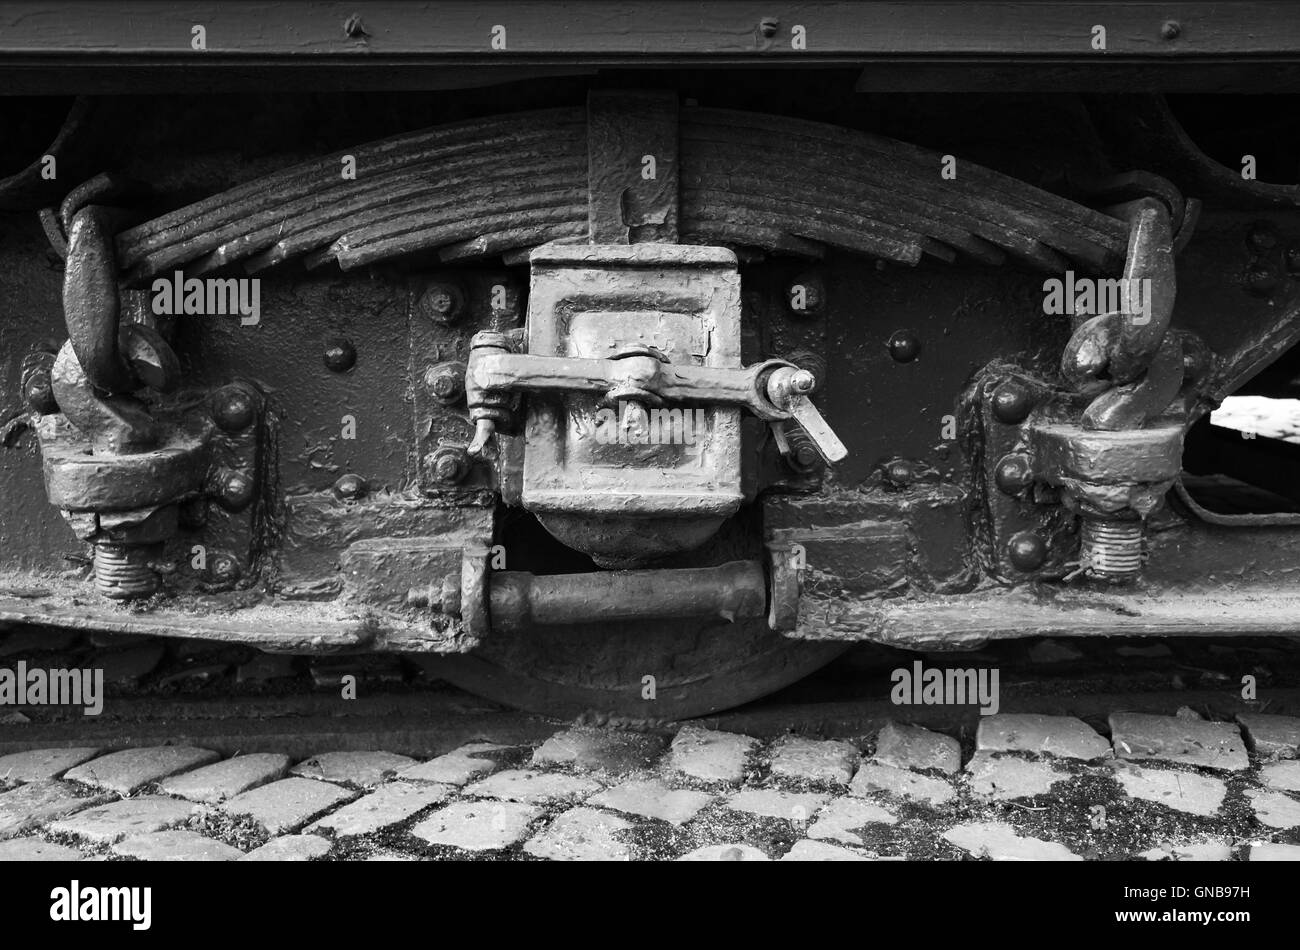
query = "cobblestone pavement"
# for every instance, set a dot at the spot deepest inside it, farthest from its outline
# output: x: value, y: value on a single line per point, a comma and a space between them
x: 1028, y: 787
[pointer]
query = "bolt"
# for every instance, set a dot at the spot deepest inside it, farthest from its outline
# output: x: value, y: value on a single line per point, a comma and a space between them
x: 904, y: 346
x: 1012, y: 402
x: 803, y: 382
x: 1170, y: 30
x: 235, y: 490
x: 441, y: 303
x: 1111, y: 550
x: 446, y: 382
x: 353, y: 28
x: 234, y: 407
x: 224, y: 569
x: 803, y: 456
x: 1027, y: 551
x: 899, y: 472
x: 806, y: 295
x: 768, y: 26
x: 1014, y: 473
x: 38, y: 392
x: 449, y: 465
x: 340, y: 355
x: 122, y: 571
x: 1259, y: 280
x: 350, y: 487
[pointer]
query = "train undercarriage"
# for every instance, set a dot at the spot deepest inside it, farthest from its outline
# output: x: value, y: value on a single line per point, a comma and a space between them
x: 643, y: 390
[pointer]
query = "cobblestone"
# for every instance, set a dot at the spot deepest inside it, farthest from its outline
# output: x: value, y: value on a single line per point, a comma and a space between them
x: 711, y: 756
x: 1063, y: 736
x: 652, y: 798
x: 362, y: 769
x: 523, y: 785
x: 217, y: 782
x: 291, y: 848
x: 125, y: 771
x: 600, y: 750
x: 36, y: 849
x: 42, y: 764
x: 775, y: 803
x: 1282, y: 775
x: 1272, y: 737
x: 29, y: 805
x: 912, y: 747
x: 106, y: 824
x: 1216, y: 745
x: 812, y: 760
x: 1182, y: 791
x: 1007, y: 777
x: 725, y: 852
x: 1000, y: 843
x: 288, y: 804
x: 386, y: 806
x: 456, y: 767
x: 478, y: 826
x: 582, y: 834
x: 1275, y: 809
x: 175, y: 846
x: 1275, y: 852
x: 806, y: 850
x: 844, y: 817
x: 1196, y: 851
x: 900, y: 783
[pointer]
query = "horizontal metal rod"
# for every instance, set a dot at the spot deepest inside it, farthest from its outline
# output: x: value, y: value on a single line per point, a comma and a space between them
x: 731, y: 591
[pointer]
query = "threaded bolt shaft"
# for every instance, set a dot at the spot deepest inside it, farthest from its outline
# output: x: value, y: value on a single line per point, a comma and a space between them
x: 122, y: 571
x: 1111, y: 550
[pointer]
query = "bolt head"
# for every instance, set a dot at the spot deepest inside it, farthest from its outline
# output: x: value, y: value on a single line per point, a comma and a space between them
x: 899, y: 472
x: 223, y: 568
x: 1171, y: 30
x: 1014, y: 473
x: 234, y: 408
x: 1012, y: 402
x: 350, y: 487
x: 38, y: 393
x: 808, y: 289
x: 340, y: 355
x: 449, y: 465
x: 1026, y: 551
x: 441, y: 303
x: 768, y: 26
x: 236, y: 490
x: 904, y: 346
x: 445, y: 384
x: 806, y: 457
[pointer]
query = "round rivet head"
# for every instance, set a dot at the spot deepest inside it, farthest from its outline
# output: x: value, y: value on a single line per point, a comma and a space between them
x: 1171, y: 30
x: 904, y: 346
x: 234, y: 408
x: 349, y: 487
x: 1027, y: 551
x: 340, y: 355
x: 1014, y: 473
x: 899, y: 472
x: 1012, y: 402
x: 235, y: 490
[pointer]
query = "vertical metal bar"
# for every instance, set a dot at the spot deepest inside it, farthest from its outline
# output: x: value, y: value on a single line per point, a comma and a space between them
x: 632, y: 167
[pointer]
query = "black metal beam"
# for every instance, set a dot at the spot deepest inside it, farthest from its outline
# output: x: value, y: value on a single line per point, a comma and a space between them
x: 133, y: 46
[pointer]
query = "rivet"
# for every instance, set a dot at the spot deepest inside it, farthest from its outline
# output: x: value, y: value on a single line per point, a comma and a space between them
x: 768, y: 26
x: 1027, y: 551
x: 234, y: 407
x: 1171, y: 30
x: 350, y: 487
x: 899, y: 472
x: 224, y: 569
x: 235, y: 490
x: 1012, y: 402
x: 1014, y: 473
x: 340, y: 355
x: 904, y: 346
x: 805, y: 296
